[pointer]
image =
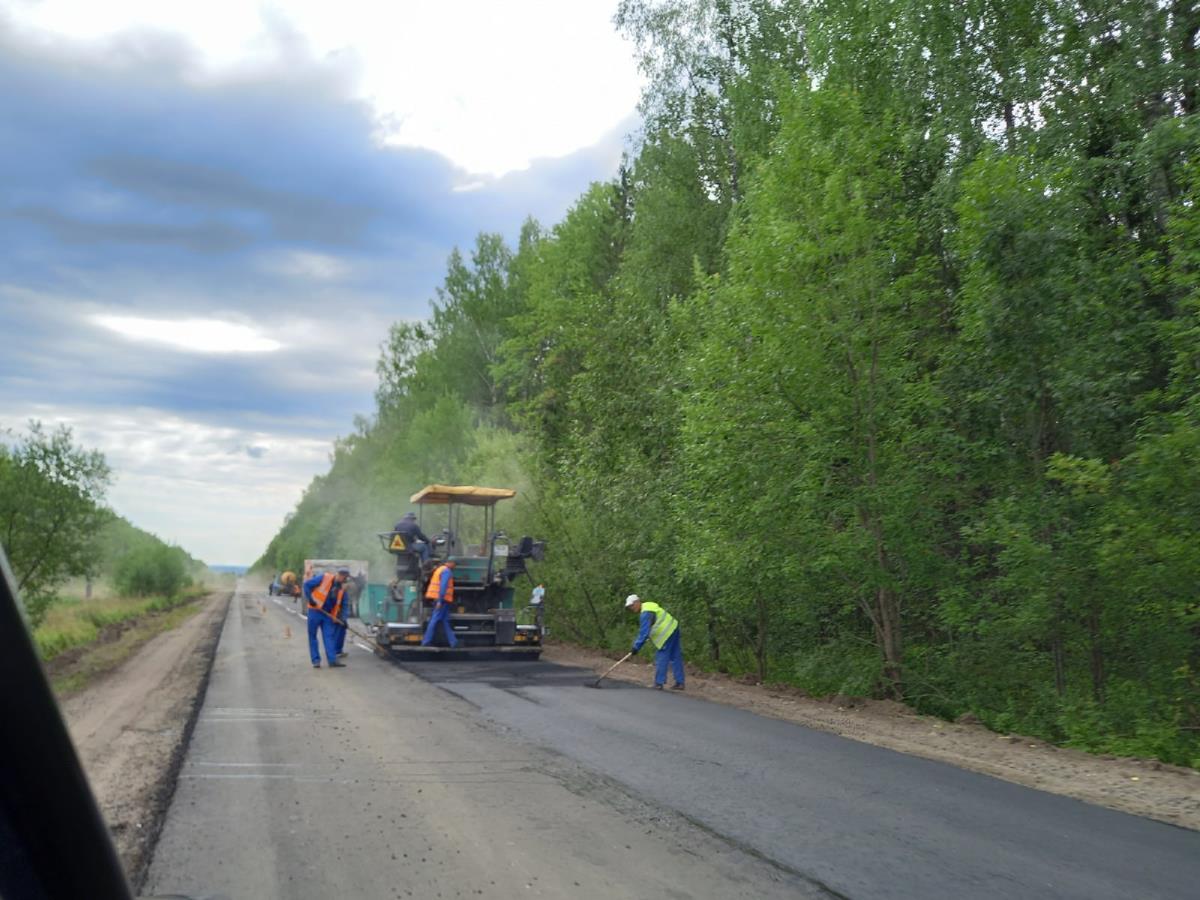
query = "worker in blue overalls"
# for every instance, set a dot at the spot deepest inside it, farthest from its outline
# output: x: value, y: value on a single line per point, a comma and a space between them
x: 441, y: 592
x: 662, y: 629
x: 324, y: 594
x: 351, y: 591
x: 339, y: 624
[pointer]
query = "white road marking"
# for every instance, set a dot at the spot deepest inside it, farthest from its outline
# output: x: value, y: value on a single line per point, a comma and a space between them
x: 249, y: 765
x: 300, y: 615
x: 251, y: 711
x: 440, y: 777
x: 286, y: 608
x: 262, y: 776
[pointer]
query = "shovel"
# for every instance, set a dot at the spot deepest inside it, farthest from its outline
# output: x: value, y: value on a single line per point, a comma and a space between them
x: 346, y: 625
x: 610, y: 668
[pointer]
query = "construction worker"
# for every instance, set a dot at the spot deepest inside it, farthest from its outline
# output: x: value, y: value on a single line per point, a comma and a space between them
x: 441, y: 591
x: 344, y: 605
x: 414, y: 537
x: 351, y: 590
x: 663, y: 630
x: 324, y: 594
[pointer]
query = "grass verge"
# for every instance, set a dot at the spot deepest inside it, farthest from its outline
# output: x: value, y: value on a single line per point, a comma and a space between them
x: 82, y: 641
x: 74, y: 623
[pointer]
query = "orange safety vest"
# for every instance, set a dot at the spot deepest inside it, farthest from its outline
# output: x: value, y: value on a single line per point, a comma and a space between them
x: 431, y: 592
x: 321, y: 594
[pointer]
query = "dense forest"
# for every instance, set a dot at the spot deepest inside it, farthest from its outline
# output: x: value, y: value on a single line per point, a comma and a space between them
x: 876, y: 363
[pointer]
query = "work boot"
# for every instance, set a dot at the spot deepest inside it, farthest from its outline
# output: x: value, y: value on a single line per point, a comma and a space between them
x: 337, y: 665
x: 677, y: 687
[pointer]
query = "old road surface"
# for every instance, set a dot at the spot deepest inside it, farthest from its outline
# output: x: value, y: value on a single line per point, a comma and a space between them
x: 514, y: 780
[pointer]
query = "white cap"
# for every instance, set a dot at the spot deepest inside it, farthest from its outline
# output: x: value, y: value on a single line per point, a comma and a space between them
x: 632, y: 599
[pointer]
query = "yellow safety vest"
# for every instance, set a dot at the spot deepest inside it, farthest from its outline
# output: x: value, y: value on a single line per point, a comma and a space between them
x: 664, y: 623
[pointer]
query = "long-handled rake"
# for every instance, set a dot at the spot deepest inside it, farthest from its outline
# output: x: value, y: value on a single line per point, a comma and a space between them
x: 610, y: 668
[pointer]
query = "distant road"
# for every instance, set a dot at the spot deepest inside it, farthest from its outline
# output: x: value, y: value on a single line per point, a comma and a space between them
x: 513, y: 780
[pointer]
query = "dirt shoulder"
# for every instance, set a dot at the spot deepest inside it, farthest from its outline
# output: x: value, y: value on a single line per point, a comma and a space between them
x: 74, y: 670
x: 131, y: 724
x: 1143, y: 787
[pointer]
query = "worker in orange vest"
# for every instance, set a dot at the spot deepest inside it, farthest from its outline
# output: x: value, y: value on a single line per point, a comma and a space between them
x: 441, y: 591
x: 325, y: 593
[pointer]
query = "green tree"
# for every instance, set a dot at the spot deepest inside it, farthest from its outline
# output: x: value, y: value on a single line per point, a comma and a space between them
x: 50, y: 512
x: 819, y: 437
x: 152, y: 568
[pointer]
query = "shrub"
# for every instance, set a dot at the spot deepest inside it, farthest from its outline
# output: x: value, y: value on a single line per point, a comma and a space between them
x: 151, y: 569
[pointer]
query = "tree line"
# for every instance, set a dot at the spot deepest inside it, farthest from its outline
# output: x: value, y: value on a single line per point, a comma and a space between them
x: 54, y: 525
x: 876, y: 363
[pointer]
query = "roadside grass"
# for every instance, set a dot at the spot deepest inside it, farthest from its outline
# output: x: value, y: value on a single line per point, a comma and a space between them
x: 102, y: 658
x: 72, y: 622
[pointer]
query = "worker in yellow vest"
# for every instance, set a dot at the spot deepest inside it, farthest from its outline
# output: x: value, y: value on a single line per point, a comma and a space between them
x: 441, y: 592
x: 661, y: 628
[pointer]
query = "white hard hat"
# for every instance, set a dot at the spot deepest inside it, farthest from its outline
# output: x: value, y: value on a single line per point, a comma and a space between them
x: 632, y: 599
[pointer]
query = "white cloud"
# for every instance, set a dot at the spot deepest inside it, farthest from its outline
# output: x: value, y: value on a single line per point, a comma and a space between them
x: 192, y: 483
x: 491, y: 86
x: 307, y: 265
x: 193, y: 335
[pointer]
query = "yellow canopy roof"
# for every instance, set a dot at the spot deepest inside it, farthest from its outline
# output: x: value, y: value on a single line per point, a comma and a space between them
x: 463, y: 493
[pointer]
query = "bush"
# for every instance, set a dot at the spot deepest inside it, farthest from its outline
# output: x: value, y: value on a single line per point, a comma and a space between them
x: 841, y: 668
x: 151, y: 569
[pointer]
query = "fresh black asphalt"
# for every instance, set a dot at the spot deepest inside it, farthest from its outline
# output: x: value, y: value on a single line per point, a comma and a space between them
x: 367, y: 782
x: 863, y: 821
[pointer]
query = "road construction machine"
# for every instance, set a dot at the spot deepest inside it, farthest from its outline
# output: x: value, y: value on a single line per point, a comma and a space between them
x: 485, y: 620
x: 284, y: 585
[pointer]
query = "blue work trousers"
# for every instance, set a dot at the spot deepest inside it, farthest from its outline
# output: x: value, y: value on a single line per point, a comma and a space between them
x: 441, y: 613
x: 339, y: 637
x: 318, y: 621
x: 670, y: 654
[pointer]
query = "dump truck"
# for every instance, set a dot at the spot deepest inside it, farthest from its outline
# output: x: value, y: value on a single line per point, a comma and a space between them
x: 487, y: 564
x: 284, y: 585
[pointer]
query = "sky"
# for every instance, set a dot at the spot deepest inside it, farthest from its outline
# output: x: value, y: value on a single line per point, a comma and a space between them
x: 211, y: 213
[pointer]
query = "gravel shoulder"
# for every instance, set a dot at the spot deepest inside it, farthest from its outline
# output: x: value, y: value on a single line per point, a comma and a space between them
x: 130, y: 727
x: 1143, y: 787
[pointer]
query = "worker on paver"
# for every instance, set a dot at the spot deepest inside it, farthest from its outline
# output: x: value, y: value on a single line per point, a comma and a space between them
x: 663, y: 629
x: 441, y: 591
x: 324, y: 594
x: 414, y: 537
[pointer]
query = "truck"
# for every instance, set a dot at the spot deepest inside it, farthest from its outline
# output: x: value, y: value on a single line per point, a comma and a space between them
x: 484, y: 617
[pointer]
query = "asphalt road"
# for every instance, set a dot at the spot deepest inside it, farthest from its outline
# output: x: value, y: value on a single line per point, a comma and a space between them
x: 864, y: 821
x: 368, y: 782
x: 511, y: 779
